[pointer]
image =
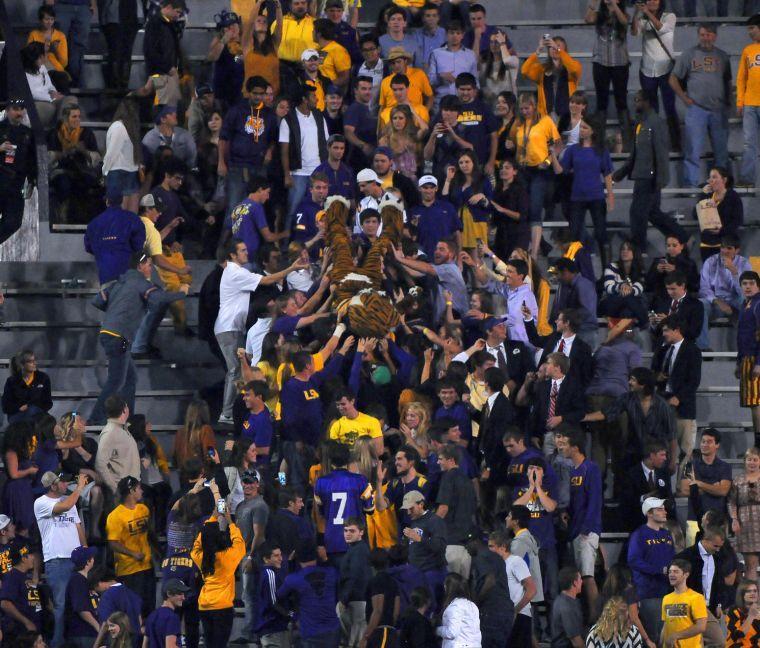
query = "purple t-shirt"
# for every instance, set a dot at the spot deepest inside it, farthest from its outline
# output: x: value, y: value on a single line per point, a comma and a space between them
x: 258, y: 427
x: 248, y: 219
x: 286, y: 324
x: 588, y: 166
x: 162, y: 623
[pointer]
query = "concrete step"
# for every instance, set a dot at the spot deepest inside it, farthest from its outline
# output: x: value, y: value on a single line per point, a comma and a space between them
x: 164, y: 406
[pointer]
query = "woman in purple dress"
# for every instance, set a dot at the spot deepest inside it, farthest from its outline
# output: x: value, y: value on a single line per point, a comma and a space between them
x: 18, y: 501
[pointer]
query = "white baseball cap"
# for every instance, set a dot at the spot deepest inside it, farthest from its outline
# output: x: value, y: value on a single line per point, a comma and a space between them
x: 427, y: 179
x: 309, y: 53
x: 651, y: 503
x: 367, y: 175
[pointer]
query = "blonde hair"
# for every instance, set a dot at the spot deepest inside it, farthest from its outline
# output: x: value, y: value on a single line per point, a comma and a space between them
x: 751, y: 451
x: 422, y: 440
x: 361, y: 455
x: 196, y: 416
x: 405, y: 139
x: 611, y: 624
x: 124, y: 638
x: 65, y: 430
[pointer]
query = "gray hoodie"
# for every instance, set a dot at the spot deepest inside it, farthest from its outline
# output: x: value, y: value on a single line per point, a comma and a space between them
x: 525, y: 546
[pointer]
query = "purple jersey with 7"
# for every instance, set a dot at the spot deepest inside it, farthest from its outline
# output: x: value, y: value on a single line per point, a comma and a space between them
x: 341, y: 495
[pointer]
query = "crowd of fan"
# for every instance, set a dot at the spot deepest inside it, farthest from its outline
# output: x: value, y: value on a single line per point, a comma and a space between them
x: 444, y: 483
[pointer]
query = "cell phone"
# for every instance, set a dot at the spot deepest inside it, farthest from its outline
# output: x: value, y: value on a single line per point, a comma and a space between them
x: 282, y: 478
x: 547, y: 36
x: 211, y: 452
x: 221, y: 507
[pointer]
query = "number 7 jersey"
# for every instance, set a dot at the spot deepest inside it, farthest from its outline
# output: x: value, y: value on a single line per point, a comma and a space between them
x: 340, y: 495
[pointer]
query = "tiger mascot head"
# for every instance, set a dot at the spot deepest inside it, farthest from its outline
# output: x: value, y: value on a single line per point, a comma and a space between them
x: 358, y: 293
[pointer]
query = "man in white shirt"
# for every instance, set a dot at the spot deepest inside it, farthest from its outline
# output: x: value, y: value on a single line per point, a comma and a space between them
x: 371, y: 190
x: 522, y: 588
x: 303, y: 143
x: 62, y: 532
x: 234, y: 294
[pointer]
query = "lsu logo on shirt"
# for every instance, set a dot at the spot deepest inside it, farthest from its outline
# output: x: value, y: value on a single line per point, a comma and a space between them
x: 138, y: 526
x: 237, y: 216
x: 174, y: 562
x: 707, y: 64
x: 577, y: 480
x: 753, y: 62
x: 310, y: 394
x: 5, y: 560
x: 677, y: 611
x: 254, y: 125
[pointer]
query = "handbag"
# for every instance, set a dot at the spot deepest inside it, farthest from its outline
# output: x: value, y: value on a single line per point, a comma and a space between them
x: 664, y: 49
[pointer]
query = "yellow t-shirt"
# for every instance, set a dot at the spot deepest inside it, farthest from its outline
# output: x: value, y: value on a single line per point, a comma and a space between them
x: 537, y: 143
x: 297, y: 36
x: 347, y: 431
x: 153, y: 244
x: 336, y: 60
x: 681, y: 611
x: 385, y: 115
x: 419, y: 88
x: 218, y: 591
x: 130, y: 528
x: 748, y: 77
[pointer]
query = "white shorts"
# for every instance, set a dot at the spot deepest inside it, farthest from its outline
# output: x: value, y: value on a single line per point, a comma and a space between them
x: 584, y: 552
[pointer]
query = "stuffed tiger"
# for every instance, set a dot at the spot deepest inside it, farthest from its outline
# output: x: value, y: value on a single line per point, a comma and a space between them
x: 358, y: 293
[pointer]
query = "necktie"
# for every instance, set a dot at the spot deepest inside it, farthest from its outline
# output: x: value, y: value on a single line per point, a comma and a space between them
x: 673, y: 306
x: 561, y: 347
x: 668, y: 360
x: 486, y: 412
x: 501, y: 359
x: 652, y: 485
x: 552, y: 399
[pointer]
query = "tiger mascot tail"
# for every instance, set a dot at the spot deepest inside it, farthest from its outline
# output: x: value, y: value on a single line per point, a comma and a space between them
x: 358, y: 291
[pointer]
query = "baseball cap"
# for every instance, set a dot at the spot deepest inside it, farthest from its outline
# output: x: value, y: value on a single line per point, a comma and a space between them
x: 411, y: 498
x: 17, y: 102
x: 332, y: 89
x: 384, y: 150
x: 309, y: 54
x: 165, y: 110
x: 81, y: 555
x: 427, y: 179
x: 250, y: 476
x: 651, y: 503
x: 4, y: 521
x: 50, y: 478
x: 151, y: 200
x: 203, y: 89
x: 175, y: 586
x: 489, y: 323
x: 398, y: 52
x: 367, y: 175
x: 334, y: 3
x: 19, y: 549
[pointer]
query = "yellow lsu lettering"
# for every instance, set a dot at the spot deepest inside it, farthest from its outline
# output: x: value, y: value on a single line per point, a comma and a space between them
x: 659, y: 541
x: 311, y: 394
x: 576, y: 481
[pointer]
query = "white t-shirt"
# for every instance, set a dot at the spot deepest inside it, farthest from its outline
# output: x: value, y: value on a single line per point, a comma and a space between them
x: 59, y: 532
x: 309, y: 142
x: 234, y: 295
x: 517, y: 572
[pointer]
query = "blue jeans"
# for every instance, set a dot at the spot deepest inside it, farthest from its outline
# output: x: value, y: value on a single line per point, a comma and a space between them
x: 295, y: 196
x: 711, y: 312
x: 650, y: 85
x: 57, y: 574
x: 750, y: 128
x: 547, y: 558
x: 236, y: 184
x: 251, y: 600
x: 539, y: 184
x: 74, y: 21
x: 324, y: 640
x: 122, y: 376
x: 698, y: 124
x: 148, y: 326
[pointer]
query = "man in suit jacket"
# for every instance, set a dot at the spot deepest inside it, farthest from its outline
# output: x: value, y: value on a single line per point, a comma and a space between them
x: 576, y: 292
x: 563, y: 340
x: 511, y: 356
x: 678, y: 365
x: 688, y: 308
x: 556, y: 400
x: 648, y: 478
x: 708, y: 550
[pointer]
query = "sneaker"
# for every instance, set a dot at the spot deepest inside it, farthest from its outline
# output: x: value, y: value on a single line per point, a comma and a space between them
x: 225, y: 420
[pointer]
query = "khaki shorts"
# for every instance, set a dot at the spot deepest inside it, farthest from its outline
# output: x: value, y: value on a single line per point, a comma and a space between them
x: 584, y: 552
x: 167, y: 89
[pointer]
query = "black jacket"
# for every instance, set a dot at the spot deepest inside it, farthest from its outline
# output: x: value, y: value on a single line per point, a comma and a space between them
x: 407, y: 188
x: 492, y: 428
x: 694, y: 581
x: 23, y: 164
x: 570, y: 404
x: 208, y: 303
x: 581, y: 357
x: 689, y: 312
x: 17, y: 393
x: 685, y: 378
x: 655, y: 281
x: 161, y: 46
x: 649, y: 157
x: 519, y: 362
x: 354, y: 575
x: 635, y: 489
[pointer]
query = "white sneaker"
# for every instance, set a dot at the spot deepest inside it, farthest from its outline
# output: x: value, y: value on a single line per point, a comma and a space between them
x: 225, y: 420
